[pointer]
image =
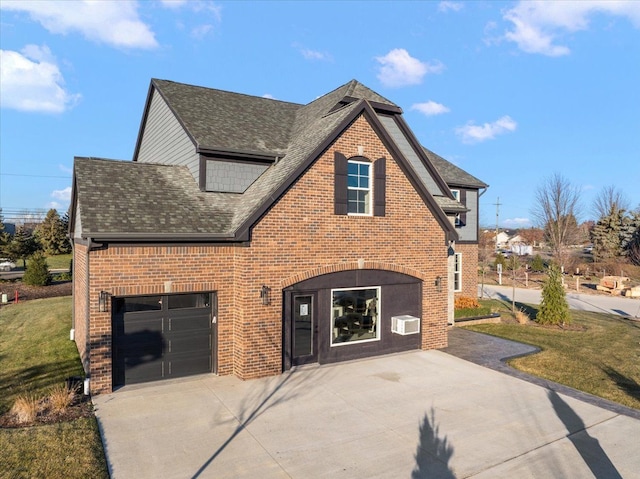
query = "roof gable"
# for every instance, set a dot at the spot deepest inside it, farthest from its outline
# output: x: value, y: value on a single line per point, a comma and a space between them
x: 153, y: 201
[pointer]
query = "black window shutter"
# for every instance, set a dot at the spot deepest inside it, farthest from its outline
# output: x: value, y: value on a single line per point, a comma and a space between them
x: 340, y: 184
x: 379, y: 187
x: 463, y: 200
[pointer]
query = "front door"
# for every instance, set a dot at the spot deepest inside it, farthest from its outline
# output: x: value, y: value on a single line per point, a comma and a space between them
x: 304, y: 334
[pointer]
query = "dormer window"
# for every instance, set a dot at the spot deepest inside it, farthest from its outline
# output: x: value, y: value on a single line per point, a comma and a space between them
x: 358, y: 188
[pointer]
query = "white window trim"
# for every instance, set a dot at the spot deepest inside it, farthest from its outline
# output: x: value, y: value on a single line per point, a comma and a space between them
x: 457, y: 272
x: 370, y: 189
x: 456, y: 194
x: 331, y: 323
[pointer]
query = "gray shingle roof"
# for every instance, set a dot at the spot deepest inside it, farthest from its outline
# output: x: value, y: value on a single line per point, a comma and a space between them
x: 151, y: 201
x: 453, y: 175
x: 126, y: 199
x: 222, y: 120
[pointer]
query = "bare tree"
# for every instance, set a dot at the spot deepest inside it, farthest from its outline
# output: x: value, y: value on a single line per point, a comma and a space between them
x: 609, y: 201
x: 556, y: 210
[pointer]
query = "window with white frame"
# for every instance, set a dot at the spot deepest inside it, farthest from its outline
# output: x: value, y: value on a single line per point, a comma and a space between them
x: 457, y: 272
x: 456, y: 195
x: 355, y: 315
x: 359, y: 188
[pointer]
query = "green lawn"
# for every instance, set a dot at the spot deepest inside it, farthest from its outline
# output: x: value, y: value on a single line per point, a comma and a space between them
x: 36, y: 354
x: 600, y: 354
x: 60, y: 261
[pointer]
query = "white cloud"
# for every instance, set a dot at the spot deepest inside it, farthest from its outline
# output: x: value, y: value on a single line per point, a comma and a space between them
x: 201, y: 31
x: 450, y: 6
x: 65, y: 169
x: 32, y: 81
x: 203, y: 10
x: 310, y: 54
x: 471, y: 133
x: 114, y: 23
x: 516, y: 222
x: 62, y: 195
x: 539, y: 25
x: 173, y: 3
x: 430, y: 108
x: 398, y: 68
x: 269, y: 96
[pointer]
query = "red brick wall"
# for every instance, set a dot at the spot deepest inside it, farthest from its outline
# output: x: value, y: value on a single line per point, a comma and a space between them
x: 469, y: 270
x: 301, y: 233
x: 80, y: 312
x: 299, y: 237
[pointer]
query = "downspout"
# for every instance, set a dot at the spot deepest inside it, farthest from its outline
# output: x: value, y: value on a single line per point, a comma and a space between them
x: 87, y: 347
x: 72, y: 333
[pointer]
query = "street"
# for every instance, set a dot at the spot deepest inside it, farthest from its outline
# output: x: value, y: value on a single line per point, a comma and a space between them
x: 620, y: 305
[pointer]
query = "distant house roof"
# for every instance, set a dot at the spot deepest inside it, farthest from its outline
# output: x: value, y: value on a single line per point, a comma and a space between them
x: 151, y: 201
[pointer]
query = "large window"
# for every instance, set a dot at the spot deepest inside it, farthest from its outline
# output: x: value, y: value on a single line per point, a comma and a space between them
x: 355, y: 315
x: 359, y: 188
x: 457, y: 273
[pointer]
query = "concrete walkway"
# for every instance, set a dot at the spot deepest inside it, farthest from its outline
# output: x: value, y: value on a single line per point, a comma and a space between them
x: 411, y: 415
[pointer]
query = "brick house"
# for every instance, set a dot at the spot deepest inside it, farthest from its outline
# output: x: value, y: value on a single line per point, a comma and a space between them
x: 250, y: 235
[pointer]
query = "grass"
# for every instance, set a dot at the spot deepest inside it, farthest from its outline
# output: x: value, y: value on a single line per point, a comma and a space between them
x: 36, y: 356
x: 599, y: 354
x: 60, y: 261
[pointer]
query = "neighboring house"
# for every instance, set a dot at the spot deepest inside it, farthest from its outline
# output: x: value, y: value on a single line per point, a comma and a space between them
x: 249, y: 236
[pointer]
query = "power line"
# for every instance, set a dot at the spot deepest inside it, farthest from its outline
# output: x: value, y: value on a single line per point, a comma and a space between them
x: 35, y: 176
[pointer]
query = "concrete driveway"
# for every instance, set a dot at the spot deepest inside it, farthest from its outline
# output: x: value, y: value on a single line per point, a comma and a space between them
x: 411, y: 415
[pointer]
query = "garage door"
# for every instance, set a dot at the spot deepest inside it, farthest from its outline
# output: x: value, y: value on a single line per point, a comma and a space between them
x: 160, y: 337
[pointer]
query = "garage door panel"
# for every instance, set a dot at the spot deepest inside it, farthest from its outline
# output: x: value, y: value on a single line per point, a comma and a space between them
x: 185, y: 343
x: 184, y: 366
x: 199, y: 322
x: 151, y: 345
x: 141, y: 372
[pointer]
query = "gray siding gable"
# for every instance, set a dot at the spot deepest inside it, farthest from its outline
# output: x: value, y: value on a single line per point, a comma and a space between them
x: 469, y: 231
x: 409, y: 153
x: 164, y: 140
x: 232, y: 176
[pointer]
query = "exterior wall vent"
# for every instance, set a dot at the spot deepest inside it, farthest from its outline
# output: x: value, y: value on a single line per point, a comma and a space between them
x: 405, y: 324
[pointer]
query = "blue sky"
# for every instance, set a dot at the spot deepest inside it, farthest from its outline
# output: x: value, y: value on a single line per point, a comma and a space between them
x: 512, y: 92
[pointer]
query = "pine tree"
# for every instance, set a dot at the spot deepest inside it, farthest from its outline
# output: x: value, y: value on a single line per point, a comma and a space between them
x: 554, y: 308
x: 605, y: 235
x: 537, y: 264
x: 52, y: 234
x: 22, y: 245
x: 37, y: 272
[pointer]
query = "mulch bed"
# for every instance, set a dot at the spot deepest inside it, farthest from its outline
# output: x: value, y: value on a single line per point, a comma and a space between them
x: 80, y: 406
x: 26, y: 292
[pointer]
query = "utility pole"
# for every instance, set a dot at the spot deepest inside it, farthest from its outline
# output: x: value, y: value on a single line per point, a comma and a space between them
x: 497, y: 203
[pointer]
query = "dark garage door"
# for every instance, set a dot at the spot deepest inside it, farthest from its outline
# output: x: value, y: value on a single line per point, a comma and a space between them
x: 159, y: 337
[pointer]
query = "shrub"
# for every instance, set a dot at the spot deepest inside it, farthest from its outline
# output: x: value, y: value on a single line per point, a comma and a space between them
x: 60, y: 398
x: 522, y: 317
x: 37, y: 272
x: 537, y: 264
x: 464, y: 302
x: 554, y: 308
x: 500, y: 259
x: 25, y: 408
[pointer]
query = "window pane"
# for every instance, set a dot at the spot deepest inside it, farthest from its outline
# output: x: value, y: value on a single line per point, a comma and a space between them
x: 139, y: 303
x: 355, y: 314
x: 352, y: 168
x: 199, y: 300
x: 352, y: 181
